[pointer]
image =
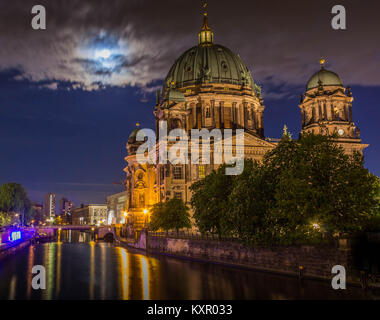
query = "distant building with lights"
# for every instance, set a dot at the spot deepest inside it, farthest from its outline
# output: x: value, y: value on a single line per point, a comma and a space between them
x: 91, y: 214
x: 116, y: 207
x: 65, y: 206
x: 50, y: 205
x: 209, y: 87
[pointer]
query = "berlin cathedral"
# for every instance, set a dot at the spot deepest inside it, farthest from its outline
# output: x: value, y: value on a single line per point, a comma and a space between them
x: 210, y: 87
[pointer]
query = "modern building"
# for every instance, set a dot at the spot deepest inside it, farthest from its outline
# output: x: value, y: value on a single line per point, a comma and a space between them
x: 50, y: 204
x: 210, y: 87
x: 65, y: 206
x: 116, y: 207
x: 91, y: 214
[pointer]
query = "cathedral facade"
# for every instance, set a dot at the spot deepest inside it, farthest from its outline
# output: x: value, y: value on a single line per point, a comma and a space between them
x: 210, y: 87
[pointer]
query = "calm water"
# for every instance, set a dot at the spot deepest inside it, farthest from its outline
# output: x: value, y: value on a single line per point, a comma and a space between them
x: 78, y: 268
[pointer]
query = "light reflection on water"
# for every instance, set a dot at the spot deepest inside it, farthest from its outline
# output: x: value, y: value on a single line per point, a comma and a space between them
x: 79, y: 268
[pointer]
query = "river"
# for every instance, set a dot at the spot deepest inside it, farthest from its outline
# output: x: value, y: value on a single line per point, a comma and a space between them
x: 79, y: 268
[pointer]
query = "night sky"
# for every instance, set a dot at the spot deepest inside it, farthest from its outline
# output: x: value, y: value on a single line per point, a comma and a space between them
x: 66, y: 111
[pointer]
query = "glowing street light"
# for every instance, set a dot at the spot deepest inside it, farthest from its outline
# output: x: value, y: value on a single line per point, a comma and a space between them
x: 146, y: 217
x: 316, y: 226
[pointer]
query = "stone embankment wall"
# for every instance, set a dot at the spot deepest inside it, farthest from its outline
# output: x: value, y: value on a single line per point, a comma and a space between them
x: 140, y: 243
x: 8, y: 250
x: 313, y: 261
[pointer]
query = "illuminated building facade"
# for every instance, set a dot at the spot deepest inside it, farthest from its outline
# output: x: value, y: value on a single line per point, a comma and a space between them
x: 116, y: 207
x: 50, y: 205
x: 209, y: 87
x: 65, y: 206
x: 91, y: 214
x: 326, y: 108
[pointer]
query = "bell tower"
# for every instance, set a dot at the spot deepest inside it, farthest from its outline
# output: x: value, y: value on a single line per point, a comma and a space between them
x: 326, y: 108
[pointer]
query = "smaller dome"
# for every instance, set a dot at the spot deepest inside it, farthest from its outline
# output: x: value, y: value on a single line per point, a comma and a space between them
x: 132, y: 136
x: 326, y: 77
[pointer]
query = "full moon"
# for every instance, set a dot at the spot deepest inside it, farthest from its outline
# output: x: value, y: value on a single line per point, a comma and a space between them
x: 105, y: 54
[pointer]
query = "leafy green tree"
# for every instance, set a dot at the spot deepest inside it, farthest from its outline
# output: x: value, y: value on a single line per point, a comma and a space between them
x: 300, y: 190
x: 374, y: 223
x: 36, y: 215
x: 157, y: 216
x: 250, y: 201
x: 5, y: 219
x: 170, y: 215
x: 14, y: 199
x: 320, y: 187
x: 210, y: 202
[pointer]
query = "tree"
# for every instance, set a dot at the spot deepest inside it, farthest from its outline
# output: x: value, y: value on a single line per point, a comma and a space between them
x: 301, y: 190
x: 321, y: 186
x: 250, y: 201
x: 374, y: 223
x: 36, y: 215
x: 5, y: 219
x: 210, y: 202
x: 14, y: 199
x: 169, y: 215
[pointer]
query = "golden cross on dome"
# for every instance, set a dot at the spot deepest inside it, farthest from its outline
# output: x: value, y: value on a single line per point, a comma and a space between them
x: 205, y: 6
x: 322, y: 62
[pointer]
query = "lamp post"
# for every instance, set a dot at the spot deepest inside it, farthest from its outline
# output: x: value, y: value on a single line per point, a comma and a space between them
x: 124, y: 228
x: 146, y: 218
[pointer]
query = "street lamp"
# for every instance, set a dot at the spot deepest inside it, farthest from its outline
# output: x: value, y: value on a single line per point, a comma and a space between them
x: 316, y: 226
x: 146, y: 218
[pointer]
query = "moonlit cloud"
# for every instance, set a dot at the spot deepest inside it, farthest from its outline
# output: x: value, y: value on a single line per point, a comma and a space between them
x: 134, y: 43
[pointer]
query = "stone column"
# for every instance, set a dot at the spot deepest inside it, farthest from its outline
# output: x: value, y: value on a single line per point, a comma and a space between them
x: 212, y: 110
x: 319, y: 111
x: 217, y: 115
x: 245, y: 116
x: 241, y: 115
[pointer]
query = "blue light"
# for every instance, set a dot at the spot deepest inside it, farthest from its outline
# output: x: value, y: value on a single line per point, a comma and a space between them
x: 16, y: 235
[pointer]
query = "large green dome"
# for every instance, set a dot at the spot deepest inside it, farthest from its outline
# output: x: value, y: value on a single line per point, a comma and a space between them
x: 325, y: 78
x: 208, y: 64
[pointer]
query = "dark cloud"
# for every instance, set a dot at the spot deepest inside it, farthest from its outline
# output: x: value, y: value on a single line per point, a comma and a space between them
x: 280, y: 41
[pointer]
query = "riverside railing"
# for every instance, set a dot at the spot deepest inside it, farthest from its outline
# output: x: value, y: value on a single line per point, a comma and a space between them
x: 191, y: 235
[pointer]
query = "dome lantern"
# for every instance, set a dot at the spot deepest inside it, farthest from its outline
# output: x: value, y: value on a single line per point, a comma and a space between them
x: 206, y: 36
